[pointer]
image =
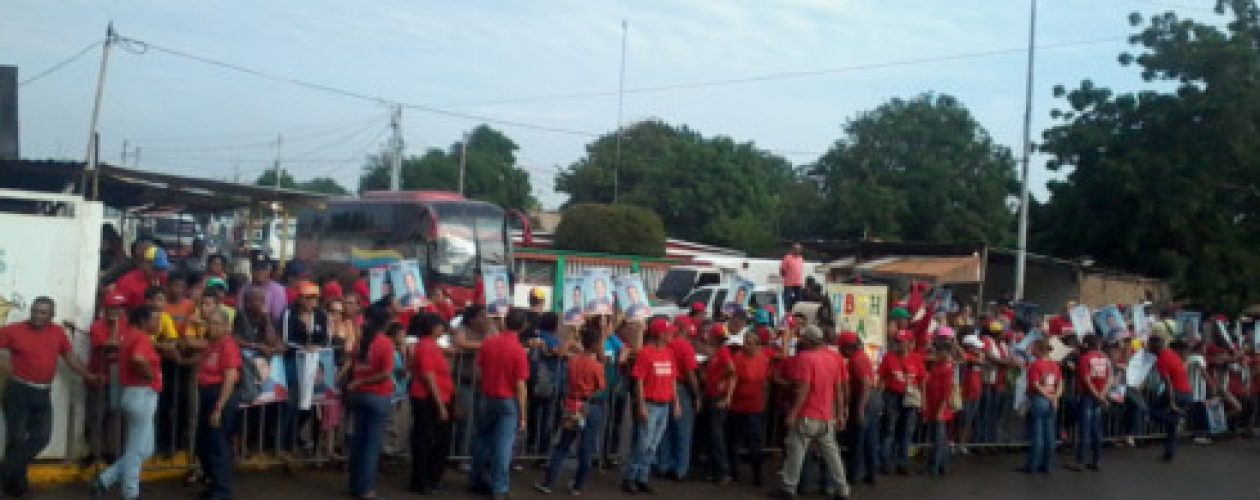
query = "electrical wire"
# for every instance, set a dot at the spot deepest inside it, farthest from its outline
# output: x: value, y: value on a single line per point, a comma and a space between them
x: 294, y: 134
x: 64, y: 62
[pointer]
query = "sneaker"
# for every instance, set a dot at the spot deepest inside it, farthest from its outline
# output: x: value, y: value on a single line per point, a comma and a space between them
x: 645, y: 488
x: 574, y: 492
x: 963, y: 450
x: 1202, y: 440
x: 542, y: 488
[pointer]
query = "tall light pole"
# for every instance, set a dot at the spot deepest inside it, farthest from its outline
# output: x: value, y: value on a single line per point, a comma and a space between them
x: 621, y: 90
x: 1021, y: 259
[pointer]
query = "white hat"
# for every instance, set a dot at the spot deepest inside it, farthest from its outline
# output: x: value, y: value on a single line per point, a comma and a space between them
x: 972, y: 341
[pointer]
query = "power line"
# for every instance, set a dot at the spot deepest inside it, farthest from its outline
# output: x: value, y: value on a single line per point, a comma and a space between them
x: 65, y: 62
x: 298, y: 133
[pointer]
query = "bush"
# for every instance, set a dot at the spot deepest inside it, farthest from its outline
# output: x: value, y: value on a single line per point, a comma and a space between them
x: 617, y: 229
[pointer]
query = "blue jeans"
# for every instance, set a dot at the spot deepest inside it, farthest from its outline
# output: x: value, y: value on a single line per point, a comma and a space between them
x: 1163, y: 413
x: 898, y: 428
x: 940, y: 447
x: 139, y: 405
x: 864, y: 443
x: 1091, y: 430
x: 647, y: 438
x: 714, y: 422
x: 993, y: 404
x: 492, y: 445
x: 214, y: 449
x: 674, y: 455
x: 1040, y: 434
x: 590, y: 434
x: 369, y: 412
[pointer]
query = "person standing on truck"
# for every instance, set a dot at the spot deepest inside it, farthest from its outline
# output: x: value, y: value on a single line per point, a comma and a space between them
x: 33, y: 346
x: 792, y: 271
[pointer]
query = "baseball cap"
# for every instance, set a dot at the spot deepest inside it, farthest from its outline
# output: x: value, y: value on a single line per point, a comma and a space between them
x: 660, y: 326
x: 697, y: 307
x: 308, y: 289
x: 812, y: 334
x: 761, y: 317
x: 945, y: 332
x: 157, y: 256
x: 114, y: 300
x: 332, y: 290
x: 904, y: 336
x: 214, y: 281
x: 899, y: 313
x: 848, y: 338
x: 717, y: 330
x: 537, y: 294
x: 972, y: 341
x: 996, y: 327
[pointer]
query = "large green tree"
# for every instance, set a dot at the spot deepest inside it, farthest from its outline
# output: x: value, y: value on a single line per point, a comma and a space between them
x: 321, y: 185
x: 491, y: 171
x: 920, y: 169
x: 617, y: 229
x: 1167, y: 181
x: 710, y: 189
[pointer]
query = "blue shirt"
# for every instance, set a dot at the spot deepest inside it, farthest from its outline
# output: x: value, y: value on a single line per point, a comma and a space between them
x: 612, y: 376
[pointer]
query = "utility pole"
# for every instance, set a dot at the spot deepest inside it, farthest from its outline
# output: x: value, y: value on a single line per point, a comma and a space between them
x: 276, y: 168
x: 92, y: 149
x: 621, y: 91
x: 463, y: 162
x: 125, y: 150
x: 1021, y: 260
x: 396, y: 146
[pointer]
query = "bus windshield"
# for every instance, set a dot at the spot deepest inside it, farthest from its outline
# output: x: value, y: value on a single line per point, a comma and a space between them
x: 464, y: 231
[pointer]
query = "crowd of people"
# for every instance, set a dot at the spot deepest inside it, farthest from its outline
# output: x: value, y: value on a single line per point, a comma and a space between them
x: 709, y: 390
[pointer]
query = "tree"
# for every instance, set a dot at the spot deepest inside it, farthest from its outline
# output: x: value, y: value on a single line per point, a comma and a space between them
x: 491, y: 172
x: 921, y: 169
x: 321, y: 185
x: 616, y: 229
x: 1165, y: 182
x: 707, y: 189
x: 268, y: 178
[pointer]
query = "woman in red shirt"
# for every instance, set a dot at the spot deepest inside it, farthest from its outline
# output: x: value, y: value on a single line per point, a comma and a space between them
x: 140, y: 374
x: 431, y: 392
x: 903, y: 398
x: 367, y: 399
x: 746, y: 420
x: 1045, y: 386
x: 218, y: 369
x: 936, y: 410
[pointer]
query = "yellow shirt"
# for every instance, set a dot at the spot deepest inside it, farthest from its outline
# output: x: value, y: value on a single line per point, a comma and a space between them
x: 167, y: 330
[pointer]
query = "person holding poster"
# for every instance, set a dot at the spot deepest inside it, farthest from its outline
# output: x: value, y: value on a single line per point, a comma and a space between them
x: 573, y: 301
x: 598, y: 292
x: 737, y: 296
x: 498, y: 295
x: 631, y: 298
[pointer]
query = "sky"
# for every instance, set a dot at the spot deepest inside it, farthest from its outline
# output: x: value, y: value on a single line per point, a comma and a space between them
x: 783, y: 74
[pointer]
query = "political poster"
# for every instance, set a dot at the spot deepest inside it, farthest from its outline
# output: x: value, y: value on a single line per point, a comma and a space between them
x: 407, y: 284
x: 942, y: 300
x: 1188, y: 323
x: 1141, y: 322
x: 737, y: 295
x: 1081, y: 321
x: 861, y: 309
x: 325, y: 387
x: 1110, y: 322
x: 1139, y: 366
x: 495, y: 290
x: 632, y: 298
x: 1217, y: 424
x: 267, y: 373
x: 598, y: 291
x: 573, y: 301
x: 781, y: 312
x: 1028, y: 312
x: 376, y: 283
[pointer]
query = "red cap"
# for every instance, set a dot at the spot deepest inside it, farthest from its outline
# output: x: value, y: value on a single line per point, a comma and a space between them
x: 717, y: 330
x: 659, y: 327
x: 697, y: 307
x: 332, y: 290
x: 114, y: 300
x: 905, y: 335
x: 848, y: 338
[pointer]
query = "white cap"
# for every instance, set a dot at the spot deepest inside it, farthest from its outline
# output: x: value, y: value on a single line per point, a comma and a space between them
x: 972, y: 341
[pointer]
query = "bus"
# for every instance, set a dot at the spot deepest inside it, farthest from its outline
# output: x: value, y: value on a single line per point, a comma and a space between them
x: 450, y: 236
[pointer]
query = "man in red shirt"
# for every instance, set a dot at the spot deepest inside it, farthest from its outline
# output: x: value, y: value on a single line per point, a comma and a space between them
x: 689, y: 324
x: 819, y: 409
x: 140, y: 375
x: 748, y: 405
x: 34, y: 346
x: 792, y: 271
x: 971, y: 379
x: 1094, y: 382
x: 936, y: 411
x: 719, y: 386
x: 1045, y: 386
x: 1170, y: 407
x: 655, y: 376
x: 674, y: 456
x: 504, y: 369
x: 903, y: 397
x: 151, y: 265
x: 218, y: 370
x: 865, y: 403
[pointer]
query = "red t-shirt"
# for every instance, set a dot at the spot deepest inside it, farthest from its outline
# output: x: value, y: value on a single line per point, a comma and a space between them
x: 715, y: 370
x: 892, y: 371
x: 586, y: 377
x: 654, y: 367
x: 1044, y: 372
x: 916, y: 366
x: 428, y: 358
x: 940, y: 383
x: 972, y: 378
x: 132, y: 286
x: 502, y: 362
x: 822, y: 369
x: 686, y: 327
x: 220, y: 356
x: 98, y: 334
x: 1094, y: 368
x: 136, y: 344
x: 684, y: 355
x: 34, y: 353
x: 861, y: 369
x: 380, y: 359
x: 751, y: 373
x: 1169, y: 365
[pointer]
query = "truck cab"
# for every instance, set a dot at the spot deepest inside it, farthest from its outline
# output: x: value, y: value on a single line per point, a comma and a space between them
x: 680, y: 281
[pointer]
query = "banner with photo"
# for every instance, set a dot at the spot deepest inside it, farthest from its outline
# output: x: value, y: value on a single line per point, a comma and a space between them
x: 572, y: 302
x: 267, y: 375
x: 861, y: 309
x: 1139, y: 366
x: 495, y: 290
x: 597, y: 289
x: 1141, y: 322
x: 407, y: 284
x: 1082, y: 323
x: 1110, y: 322
x: 1189, y: 323
x: 632, y: 297
x: 377, y: 287
x: 737, y: 295
x: 317, y: 377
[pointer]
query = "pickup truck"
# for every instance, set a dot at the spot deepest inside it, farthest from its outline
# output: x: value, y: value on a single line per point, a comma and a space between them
x: 712, y: 297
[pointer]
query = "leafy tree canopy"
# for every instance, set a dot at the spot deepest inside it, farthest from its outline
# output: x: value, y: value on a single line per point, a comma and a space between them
x: 616, y: 229
x: 321, y: 185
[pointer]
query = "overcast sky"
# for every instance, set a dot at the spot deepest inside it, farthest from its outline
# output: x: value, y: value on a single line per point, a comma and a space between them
x: 480, y: 58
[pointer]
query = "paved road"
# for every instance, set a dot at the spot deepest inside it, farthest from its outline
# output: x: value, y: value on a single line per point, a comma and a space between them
x: 1221, y: 471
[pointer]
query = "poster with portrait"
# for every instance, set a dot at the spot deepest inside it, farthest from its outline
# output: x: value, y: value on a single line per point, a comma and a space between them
x: 1224, y: 331
x: 496, y: 291
x: 1081, y: 321
x: 861, y: 309
x: 267, y: 373
x: 1188, y: 323
x: 573, y: 301
x: 404, y: 276
x: 1141, y: 322
x: 737, y: 295
x: 632, y: 297
x: 377, y: 287
x: 1110, y: 322
x: 781, y: 312
x: 1140, y: 365
x: 942, y: 300
x: 597, y: 287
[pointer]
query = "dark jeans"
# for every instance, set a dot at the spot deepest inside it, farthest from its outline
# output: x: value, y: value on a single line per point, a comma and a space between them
x: 543, y: 413
x: 1091, y: 430
x: 430, y: 445
x: 714, y: 421
x: 173, y: 412
x: 292, y: 418
x: 612, y: 445
x: 28, y: 420
x: 897, y: 429
x: 214, y: 449
x: 940, y: 446
x: 862, y: 443
x: 749, y: 430
x: 993, y: 403
x: 369, y: 412
x: 1041, y: 438
x: 1164, y: 413
x: 590, y: 433
x: 791, y: 295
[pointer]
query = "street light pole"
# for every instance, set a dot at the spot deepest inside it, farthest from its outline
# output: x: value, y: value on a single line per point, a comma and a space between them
x: 1021, y: 260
